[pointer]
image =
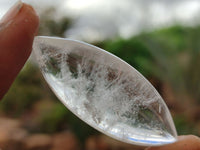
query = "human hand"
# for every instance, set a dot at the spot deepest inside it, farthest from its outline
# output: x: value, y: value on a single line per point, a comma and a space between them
x: 17, y: 30
x: 189, y: 142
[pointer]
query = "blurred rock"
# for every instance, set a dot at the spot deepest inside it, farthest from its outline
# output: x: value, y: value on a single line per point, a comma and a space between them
x: 10, y: 123
x: 38, y: 142
x: 11, y: 134
x: 65, y: 141
x: 96, y: 143
x: 91, y: 143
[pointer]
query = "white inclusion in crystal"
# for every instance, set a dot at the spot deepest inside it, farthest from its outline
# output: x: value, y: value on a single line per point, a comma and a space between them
x: 105, y: 92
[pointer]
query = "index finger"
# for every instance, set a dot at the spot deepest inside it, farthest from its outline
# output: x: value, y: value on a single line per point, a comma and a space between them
x: 17, y: 30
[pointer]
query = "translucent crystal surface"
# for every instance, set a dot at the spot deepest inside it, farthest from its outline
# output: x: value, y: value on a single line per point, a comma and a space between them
x: 105, y: 91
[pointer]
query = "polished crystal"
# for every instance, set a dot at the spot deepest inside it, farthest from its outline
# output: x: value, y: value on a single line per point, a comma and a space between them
x: 105, y: 92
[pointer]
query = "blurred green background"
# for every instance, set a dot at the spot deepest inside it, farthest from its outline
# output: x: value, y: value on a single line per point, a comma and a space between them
x: 168, y: 56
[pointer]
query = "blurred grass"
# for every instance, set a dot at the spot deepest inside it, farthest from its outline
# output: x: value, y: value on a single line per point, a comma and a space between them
x: 24, y: 92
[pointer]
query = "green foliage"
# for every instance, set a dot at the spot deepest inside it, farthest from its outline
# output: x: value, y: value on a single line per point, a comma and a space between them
x: 134, y: 52
x: 193, y: 77
x: 177, y: 52
x: 80, y: 128
x: 169, y: 54
x: 23, y: 93
x: 183, y: 126
x: 52, y: 119
x: 53, y: 27
x: 172, y: 38
x: 58, y: 118
x: 153, y: 54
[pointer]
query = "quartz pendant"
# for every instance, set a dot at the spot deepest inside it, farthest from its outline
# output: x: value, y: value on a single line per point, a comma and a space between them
x: 105, y: 92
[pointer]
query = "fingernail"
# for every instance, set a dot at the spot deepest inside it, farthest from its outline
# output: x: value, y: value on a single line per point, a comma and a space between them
x: 12, y: 12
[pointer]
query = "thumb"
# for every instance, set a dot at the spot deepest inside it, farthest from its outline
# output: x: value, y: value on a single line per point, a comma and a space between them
x: 17, y: 30
x: 189, y: 142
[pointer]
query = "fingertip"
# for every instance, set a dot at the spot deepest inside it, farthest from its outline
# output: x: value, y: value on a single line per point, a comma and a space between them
x: 29, y: 19
x: 17, y: 31
x: 185, y: 142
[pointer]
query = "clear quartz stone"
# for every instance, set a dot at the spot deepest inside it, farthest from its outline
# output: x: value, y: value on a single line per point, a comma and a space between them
x: 105, y: 92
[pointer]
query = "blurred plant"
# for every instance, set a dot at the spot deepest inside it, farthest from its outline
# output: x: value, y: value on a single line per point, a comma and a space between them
x: 183, y: 126
x: 23, y: 93
x: 53, y: 26
x: 134, y: 52
x: 51, y: 119
x: 193, y: 71
x: 167, y: 46
x: 177, y: 52
x: 58, y: 118
x: 170, y: 54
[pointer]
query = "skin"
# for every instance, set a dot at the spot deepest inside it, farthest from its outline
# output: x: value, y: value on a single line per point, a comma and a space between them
x: 189, y: 142
x: 17, y: 31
